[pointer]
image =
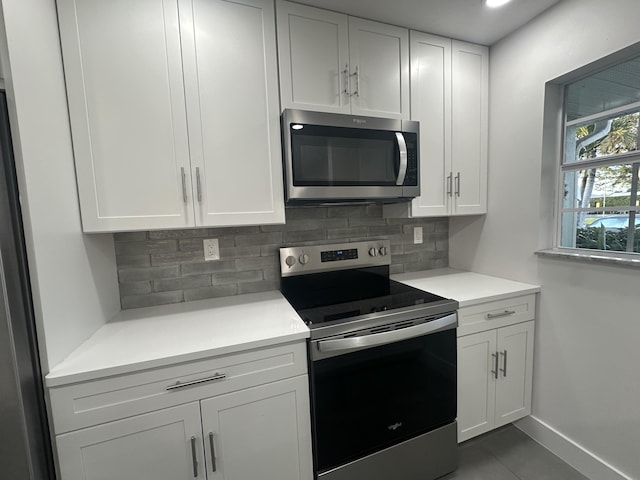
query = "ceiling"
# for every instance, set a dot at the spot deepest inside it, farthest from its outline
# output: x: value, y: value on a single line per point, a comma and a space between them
x: 468, y: 20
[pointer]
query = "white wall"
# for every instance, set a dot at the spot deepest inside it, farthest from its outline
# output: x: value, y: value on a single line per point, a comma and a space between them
x: 587, y: 360
x: 73, y: 276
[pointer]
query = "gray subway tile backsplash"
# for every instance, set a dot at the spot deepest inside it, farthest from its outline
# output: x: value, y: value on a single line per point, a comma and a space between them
x: 167, y: 266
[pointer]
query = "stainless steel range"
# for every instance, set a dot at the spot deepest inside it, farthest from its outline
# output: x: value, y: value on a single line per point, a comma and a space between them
x: 382, y: 364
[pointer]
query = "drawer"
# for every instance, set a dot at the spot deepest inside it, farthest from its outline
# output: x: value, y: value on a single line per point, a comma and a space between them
x: 496, y: 314
x: 90, y: 403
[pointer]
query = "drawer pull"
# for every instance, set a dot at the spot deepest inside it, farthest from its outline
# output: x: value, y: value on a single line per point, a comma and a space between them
x: 217, y: 376
x: 506, y: 313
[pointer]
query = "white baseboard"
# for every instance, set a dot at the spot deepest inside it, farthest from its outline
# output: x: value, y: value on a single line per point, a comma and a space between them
x: 578, y: 457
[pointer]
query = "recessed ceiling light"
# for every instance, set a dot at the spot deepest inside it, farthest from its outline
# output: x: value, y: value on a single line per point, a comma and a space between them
x: 496, y: 3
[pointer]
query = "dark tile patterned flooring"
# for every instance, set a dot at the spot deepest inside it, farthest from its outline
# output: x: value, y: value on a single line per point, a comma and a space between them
x: 509, y: 454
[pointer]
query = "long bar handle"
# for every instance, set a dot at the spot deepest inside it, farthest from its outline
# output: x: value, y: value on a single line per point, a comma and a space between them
x: 198, y: 185
x: 357, y: 75
x: 402, y: 147
x: 194, y: 458
x: 506, y: 313
x: 449, y: 183
x: 213, y: 452
x: 444, y: 323
x: 346, y: 80
x: 504, y: 363
x: 184, y: 184
x: 458, y: 184
x: 217, y: 376
x: 495, y: 363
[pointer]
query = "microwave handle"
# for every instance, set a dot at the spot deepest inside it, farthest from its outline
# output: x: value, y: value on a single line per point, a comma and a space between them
x: 402, y: 147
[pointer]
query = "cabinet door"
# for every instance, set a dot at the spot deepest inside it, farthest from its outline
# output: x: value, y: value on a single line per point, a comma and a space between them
x: 123, y: 70
x: 154, y: 446
x: 513, y: 389
x: 379, y: 69
x: 476, y: 384
x: 431, y: 106
x: 313, y: 48
x: 230, y: 65
x: 262, y: 432
x: 470, y: 93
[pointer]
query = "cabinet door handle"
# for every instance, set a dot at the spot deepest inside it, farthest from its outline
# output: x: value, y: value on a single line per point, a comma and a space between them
x: 357, y: 75
x: 198, y: 184
x: 506, y: 313
x: 346, y: 80
x: 458, y: 184
x: 213, y: 452
x: 504, y: 363
x: 184, y: 185
x: 217, y: 376
x: 194, y: 458
x: 495, y: 363
x: 449, y: 183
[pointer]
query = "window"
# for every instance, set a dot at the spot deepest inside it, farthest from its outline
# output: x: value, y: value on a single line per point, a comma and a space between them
x: 600, y: 201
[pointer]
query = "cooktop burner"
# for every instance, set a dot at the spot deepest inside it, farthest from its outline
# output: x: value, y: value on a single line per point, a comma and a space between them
x: 338, y: 283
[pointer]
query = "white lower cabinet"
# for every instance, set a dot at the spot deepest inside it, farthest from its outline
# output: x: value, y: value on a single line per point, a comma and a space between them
x: 153, y: 446
x: 241, y: 416
x: 494, y: 378
x: 259, y: 433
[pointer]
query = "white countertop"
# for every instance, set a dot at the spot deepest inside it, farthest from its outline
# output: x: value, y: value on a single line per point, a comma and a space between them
x: 159, y: 336
x: 468, y: 288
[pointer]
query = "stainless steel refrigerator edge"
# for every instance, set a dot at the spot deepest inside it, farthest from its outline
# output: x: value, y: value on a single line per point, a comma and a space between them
x: 25, y: 450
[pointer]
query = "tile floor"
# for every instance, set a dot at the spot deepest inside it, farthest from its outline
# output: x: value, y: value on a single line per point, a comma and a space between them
x: 509, y: 454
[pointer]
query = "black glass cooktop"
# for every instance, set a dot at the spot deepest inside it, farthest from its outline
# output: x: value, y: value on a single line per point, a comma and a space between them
x: 341, y: 295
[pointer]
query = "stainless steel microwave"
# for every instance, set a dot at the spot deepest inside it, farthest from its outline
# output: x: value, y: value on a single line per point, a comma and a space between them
x: 336, y: 158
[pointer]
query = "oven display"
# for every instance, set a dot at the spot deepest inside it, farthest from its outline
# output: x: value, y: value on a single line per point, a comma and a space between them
x: 336, y: 255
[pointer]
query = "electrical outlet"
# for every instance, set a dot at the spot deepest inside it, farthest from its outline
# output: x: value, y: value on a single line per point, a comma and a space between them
x: 211, y: 249
x: 417, y: 234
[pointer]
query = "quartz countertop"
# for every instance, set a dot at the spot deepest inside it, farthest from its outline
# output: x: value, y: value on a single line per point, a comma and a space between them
x: 159, y: 336
x: 468, y: 288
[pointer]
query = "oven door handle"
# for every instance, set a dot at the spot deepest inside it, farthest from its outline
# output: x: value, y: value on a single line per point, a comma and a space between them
x: 402, y: 170
x: 353, y: 343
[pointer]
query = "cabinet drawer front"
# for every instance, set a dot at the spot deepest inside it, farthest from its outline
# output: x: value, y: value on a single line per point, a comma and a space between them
x: 90, y: 403
x: 499, y: 313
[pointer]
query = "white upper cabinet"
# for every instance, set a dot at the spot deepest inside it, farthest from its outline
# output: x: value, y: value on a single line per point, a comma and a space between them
x: 153, y: 150
x: 123, y: 68
x: 333, y: 63
x: 430, y: 105
x: 314, y: 58
x: 469, y: 120
x: 449, y: 97
x: 379, y: 60
x: 231, y: 73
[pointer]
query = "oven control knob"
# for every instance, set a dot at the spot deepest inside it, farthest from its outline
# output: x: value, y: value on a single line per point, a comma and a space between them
x: 290, y: 261
x: 383, y: 251
x: 303, y: 259
x: 373, y: 252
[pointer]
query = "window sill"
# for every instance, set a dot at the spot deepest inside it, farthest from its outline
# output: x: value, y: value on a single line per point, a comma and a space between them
x: 621, y: 261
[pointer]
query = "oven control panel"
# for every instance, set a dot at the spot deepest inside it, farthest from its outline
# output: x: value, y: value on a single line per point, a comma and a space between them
x: 323, y: 258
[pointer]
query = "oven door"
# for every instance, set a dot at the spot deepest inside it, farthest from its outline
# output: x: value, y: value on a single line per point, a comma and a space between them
x: 380, y: 390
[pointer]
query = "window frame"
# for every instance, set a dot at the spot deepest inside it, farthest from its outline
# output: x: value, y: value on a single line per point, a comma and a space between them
x: 562, y: 167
